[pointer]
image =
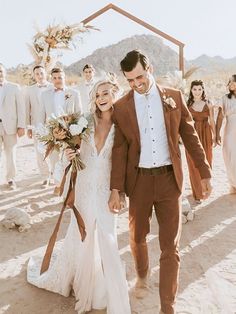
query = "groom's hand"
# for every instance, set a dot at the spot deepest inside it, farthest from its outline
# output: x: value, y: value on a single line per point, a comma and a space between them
x: 114, y: 201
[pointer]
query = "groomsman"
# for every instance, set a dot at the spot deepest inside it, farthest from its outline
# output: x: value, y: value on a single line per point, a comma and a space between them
x: 12, y: 122
x: 35, y: 114
x: 86, y: 86
x: 60, y: 100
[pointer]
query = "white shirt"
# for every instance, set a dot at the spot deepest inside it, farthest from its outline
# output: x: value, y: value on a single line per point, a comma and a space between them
x: 152, y: 129
x: 84, y: 89
x: 59, y: 103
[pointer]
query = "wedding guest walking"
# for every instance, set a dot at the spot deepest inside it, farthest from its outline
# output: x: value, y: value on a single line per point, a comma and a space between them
x: 146, y: 164
x: 203, y: 115
x: 227, y: 110
x: 12, y: 122
x: 35, y: 115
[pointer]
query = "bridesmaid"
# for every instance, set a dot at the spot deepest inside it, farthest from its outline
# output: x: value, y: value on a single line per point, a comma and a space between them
x: 228, y: 110
x: 202, y: 112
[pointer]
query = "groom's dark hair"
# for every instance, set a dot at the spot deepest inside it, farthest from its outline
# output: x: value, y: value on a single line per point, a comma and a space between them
x: 131, y: 59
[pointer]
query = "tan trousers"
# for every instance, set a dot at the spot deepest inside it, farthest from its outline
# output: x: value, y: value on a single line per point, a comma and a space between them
x: 8, y: 146
x: 53, y: 158
x: 42, y: 164
x: 160, y: 191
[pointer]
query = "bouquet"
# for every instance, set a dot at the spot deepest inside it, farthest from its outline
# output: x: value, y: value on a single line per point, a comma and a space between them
x: 61, y: 133
x: 64, y: 132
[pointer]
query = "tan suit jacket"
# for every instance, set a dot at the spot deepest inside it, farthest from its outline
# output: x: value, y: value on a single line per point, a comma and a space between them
x: 12, y: 108
x: 35, y: 112
x: 72, y: 103
x: 126, y: 149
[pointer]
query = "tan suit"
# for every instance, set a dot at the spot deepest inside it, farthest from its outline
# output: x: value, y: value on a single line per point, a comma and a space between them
x: 71, y: 105
x: 72, y: 102
x: 159, y: 188
x: 12, y: 114
x: 35, y: 114
x: 84, y: 90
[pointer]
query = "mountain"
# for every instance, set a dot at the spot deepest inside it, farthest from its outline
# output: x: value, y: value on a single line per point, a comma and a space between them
x: 162, y: 57
x: 210, y: 65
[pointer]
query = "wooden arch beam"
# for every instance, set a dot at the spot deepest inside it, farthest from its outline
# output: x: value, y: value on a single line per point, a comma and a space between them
x: 111, y: 6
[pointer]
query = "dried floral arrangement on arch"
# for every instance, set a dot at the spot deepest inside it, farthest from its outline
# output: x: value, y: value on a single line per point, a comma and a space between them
x: 47, y: 44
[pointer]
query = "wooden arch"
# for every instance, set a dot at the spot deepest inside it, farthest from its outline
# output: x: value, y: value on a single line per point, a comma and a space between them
x: 111, y: 6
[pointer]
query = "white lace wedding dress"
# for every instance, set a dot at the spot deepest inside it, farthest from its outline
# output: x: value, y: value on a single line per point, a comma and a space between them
x: 91, y: 268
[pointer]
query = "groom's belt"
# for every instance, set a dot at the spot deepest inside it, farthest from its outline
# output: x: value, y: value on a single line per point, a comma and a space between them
x: 155, y: 171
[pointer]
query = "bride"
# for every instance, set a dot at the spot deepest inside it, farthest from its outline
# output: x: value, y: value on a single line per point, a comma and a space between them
x: 91, y: 268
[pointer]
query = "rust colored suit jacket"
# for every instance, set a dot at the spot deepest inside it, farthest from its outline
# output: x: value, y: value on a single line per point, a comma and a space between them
x: 127, y: 147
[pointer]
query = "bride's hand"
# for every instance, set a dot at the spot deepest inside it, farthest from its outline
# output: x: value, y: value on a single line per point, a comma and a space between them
x: 114, y: 202
x: 70, y: 154
x: 123, y: 202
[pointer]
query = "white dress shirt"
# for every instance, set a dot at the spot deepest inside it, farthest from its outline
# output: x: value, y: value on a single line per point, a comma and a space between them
x: 59, y: 103
x: 152, y: 129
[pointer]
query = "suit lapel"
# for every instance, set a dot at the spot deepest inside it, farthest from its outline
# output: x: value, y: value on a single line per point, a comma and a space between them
x: 51, y: 100
x: 133, y: 116
x: 68, y: 96
x: 166, y: 112
x: 4, y: 88
x: 37, y: 94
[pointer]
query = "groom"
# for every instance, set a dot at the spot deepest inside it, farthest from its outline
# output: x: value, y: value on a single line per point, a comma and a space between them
x: 146, y: 165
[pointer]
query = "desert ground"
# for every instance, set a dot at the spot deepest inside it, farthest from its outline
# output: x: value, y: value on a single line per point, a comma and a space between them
x: 208, y: 247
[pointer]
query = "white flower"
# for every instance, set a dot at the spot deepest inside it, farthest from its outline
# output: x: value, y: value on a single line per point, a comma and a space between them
x: 41, y: 147
x: 83, y: 122
x: 42, y: 130
x: 76, y: 129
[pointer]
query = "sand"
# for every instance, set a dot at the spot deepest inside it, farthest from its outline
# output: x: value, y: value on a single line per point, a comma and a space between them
x: 208, y: 248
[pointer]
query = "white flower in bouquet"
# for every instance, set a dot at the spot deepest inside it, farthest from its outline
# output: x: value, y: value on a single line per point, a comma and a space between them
x: 62, y: 132
x: 76, y: 129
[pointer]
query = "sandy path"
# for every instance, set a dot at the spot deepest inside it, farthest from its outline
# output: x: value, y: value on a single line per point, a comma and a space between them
x: 208, y: 249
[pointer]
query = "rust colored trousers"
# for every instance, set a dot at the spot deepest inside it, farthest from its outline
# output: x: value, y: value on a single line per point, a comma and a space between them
x: 161, y: 192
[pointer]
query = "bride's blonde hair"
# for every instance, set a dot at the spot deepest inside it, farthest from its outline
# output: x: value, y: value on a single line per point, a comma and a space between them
x: 115, y: 91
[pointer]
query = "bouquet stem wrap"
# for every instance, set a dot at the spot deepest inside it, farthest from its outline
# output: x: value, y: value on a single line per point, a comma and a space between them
x: 69, y: 201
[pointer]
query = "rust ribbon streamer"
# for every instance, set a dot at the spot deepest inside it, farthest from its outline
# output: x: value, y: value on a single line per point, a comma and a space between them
x: 70, y: 202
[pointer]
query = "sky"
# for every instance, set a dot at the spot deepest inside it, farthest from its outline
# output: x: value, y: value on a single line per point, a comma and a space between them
x: 204, y: 26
